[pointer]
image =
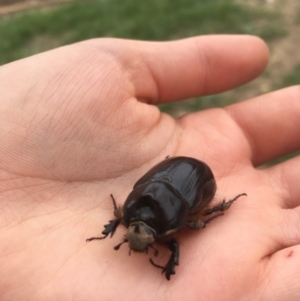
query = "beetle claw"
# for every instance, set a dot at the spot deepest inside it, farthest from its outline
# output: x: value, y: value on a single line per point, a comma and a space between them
x: 111, y: 227
x: 169, y: 269
x: 108, y: 229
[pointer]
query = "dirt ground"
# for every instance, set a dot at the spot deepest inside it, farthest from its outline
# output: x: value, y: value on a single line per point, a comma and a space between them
x: 285, y: 54
x: 11, y: 6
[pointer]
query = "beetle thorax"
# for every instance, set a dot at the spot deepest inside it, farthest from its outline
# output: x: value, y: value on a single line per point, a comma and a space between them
x: 140, y: 235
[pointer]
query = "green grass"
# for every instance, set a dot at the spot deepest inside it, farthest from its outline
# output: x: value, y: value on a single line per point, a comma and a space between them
x: 292, y: 78
x: 297, y: 17
x: 196, y: 104
x: 282, y: 159
x: 34, y: 31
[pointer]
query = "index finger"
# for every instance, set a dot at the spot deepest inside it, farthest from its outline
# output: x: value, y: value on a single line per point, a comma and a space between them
x: 168, y: 71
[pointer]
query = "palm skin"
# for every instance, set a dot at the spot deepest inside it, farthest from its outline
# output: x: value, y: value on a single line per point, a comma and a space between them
x: 78, y: 124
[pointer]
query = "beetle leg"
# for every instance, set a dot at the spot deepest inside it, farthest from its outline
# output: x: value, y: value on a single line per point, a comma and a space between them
x: 113, y: 224
x: 117, y: 247
x: 199, y: 224
x: 223, y: 206
x: 196, y: 225
x: 109, y: 228
x: 169, y: 269
x: 211, y: 218
x: 155, y: 250
x: 117, y: 209
x: 156, y: 265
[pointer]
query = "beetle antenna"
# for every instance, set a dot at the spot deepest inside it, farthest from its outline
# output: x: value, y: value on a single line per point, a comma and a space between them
x: 117, y: 247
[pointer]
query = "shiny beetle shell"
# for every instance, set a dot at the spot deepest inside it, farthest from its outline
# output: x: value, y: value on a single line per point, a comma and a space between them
x: 168, y: 193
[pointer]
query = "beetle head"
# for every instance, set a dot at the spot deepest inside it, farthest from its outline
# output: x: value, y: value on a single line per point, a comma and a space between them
x: 139, y: 235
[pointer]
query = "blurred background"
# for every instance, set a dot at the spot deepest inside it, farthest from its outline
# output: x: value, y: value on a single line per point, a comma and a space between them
x: 28, y: 27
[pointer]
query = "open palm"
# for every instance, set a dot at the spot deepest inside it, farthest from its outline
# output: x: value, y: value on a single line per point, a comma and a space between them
x: 79, y: 123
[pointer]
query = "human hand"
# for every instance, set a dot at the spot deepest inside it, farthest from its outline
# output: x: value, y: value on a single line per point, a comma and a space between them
x: 78, y: 123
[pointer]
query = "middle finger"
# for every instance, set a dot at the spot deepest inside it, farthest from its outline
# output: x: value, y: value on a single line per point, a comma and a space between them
x: 271, y: 123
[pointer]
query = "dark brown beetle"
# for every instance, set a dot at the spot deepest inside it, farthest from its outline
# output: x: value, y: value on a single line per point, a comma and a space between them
x: 162, y: 202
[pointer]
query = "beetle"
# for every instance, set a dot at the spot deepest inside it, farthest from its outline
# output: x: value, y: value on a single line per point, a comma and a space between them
x: 164, y: 201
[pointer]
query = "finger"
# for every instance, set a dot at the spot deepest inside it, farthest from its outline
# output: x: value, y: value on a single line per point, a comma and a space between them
x: 285, y: 229
x: 169, y: 71
x: 285, y: 178
x: 271, y: 123
x: 281, y: 275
